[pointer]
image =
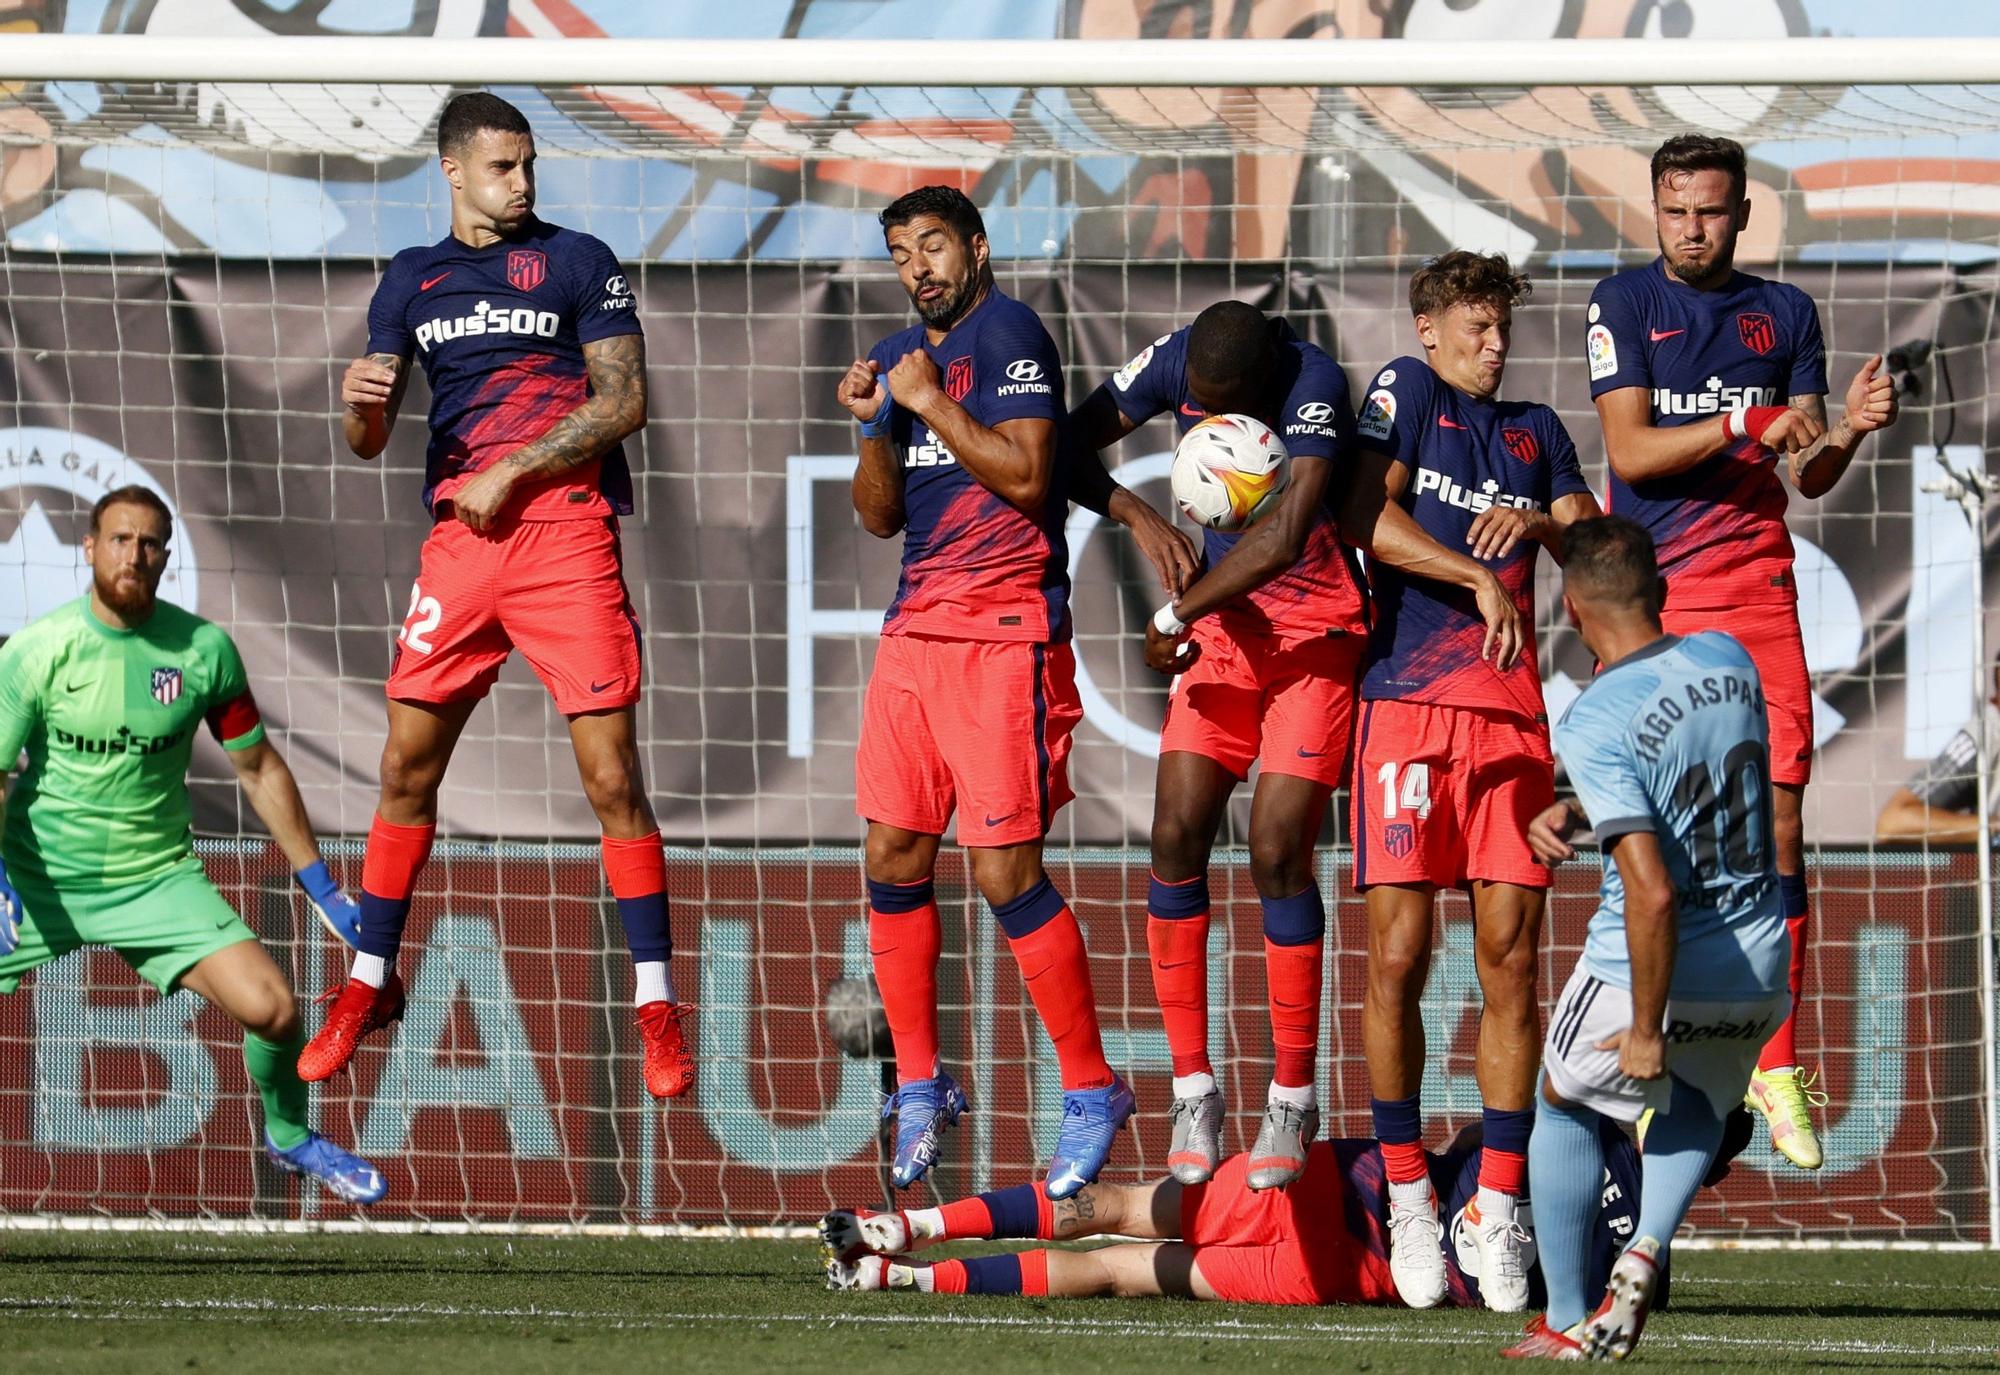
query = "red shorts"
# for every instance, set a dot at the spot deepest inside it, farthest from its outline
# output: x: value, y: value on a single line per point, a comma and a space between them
x: 974, y: 726
x: 1287, y: 704
x: 1287, y: 1245
x: 1771, y: 636
x: 1443, y: 795
x: 553, y: 589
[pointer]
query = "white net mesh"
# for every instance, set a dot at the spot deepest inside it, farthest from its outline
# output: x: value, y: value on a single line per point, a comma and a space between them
x: 188, y: 266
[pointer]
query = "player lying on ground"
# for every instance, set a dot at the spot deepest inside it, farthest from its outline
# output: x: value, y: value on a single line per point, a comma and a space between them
x: 1703, y: 376
x: 529, y: 335
x: 973, y: 695
x: 106, y: 695
x: 1323, y: 1240
x: 1682, y: 976
x: 1452, y: 752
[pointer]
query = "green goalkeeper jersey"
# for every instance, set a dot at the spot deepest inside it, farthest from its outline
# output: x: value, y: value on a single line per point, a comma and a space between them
x: 108, y: 718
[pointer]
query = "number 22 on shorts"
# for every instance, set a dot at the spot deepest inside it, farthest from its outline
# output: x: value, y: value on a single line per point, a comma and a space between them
x: 419, y: 621
x: 1413, y: 796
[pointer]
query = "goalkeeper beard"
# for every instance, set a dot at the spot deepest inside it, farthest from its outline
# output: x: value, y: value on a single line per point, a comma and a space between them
x: 127, y: 591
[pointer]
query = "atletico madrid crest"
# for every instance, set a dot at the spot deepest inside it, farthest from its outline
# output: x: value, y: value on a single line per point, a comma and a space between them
x: 1521, y: 444
x: 1759, y: 334
x: 166, y: 686
x: 526, y: 267
x: 1399, y: 839
x: 958, y: 378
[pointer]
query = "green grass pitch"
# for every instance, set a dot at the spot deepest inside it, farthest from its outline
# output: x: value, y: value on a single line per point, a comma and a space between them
x: 285, y: 1305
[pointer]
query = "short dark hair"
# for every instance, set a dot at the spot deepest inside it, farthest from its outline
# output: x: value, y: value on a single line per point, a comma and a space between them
x: 1701, y: 153
x: 1228, y: 342
x: 473, y: 113
x: 1464, y: 277
x: 132, y: 494
x: 1613, y: 560
x: 946, y: 203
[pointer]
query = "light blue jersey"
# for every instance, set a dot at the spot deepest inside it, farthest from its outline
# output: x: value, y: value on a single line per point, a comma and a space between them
x: 1674, y: 740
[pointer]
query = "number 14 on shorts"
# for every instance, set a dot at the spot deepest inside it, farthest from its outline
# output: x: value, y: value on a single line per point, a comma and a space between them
x: 1414, y: 794
x: 419, y: 621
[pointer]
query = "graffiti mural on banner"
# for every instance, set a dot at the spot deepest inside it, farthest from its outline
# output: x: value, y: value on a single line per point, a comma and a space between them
x: 510, y: 1090
x: 368, y: 188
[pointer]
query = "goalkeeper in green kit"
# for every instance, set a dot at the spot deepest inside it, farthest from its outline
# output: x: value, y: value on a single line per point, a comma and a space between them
x: 105, y: 695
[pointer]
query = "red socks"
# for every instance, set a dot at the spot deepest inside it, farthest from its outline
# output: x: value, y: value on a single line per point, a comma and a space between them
x: 904, y: 938
x: 1783, y: 1047
x: 395, y: 856
x: 1403, y: 1162
x: 1056, y: 968
x: 1294, y: 973
x: 1180, y: 982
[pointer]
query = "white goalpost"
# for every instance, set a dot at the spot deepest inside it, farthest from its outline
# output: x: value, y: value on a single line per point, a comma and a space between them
x: 192, y: 223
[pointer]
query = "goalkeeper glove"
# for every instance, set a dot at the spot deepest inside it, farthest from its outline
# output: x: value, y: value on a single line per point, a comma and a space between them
x: 340, y: 913
x: 10, y: 914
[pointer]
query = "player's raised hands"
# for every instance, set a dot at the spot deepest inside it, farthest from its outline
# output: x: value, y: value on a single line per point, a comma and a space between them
x: 367, y: 385
x: 914, y: 380
x: 1549, y: 833
x: 1504, y: 636
x: 860, y: 390
x: 1871, y: 398
x: 1793, y: 432
x: 1498, y: 529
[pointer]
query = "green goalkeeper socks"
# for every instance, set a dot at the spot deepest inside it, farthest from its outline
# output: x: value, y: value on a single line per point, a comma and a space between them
x: 274, y: 1069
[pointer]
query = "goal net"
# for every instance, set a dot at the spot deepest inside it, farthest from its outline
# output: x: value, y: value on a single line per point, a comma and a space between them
x: 196, y: 209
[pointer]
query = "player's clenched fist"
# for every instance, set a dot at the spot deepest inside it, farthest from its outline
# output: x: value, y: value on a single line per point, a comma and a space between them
x: 367, y: 385
x: 1792, y: 432
x: 860, y: 391
x: 1549, y: 833
x: 915, y: 380
x: 1871, y: 398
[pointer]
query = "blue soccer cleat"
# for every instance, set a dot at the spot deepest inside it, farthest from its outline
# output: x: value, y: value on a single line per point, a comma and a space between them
x: 1091, y: 1119
x: 924, y: 1109
x: 341, y: 1172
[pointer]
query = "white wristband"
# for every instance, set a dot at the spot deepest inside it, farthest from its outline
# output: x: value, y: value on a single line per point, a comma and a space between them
x: 1734, y: 421
x: 1166, y: 622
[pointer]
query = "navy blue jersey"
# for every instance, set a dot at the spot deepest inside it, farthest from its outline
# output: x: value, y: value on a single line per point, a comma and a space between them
x: 1720, y: 525
x: 1464, y: 456
x: 500, y: 332
x: 1455, y: 1177
x: 976, y: 567
x: 1309, y: 410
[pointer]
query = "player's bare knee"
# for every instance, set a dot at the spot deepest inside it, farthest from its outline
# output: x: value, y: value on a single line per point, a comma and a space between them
x: 892, y: 856
x: 613, y: 787
x: 268, y: 1009
x: 1180, y: 847
x: 1397, y: 970
x: 1280, y: 864
x: 408, y: 776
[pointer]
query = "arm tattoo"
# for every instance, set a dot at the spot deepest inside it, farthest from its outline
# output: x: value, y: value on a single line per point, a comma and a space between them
x: 391, y: 361
x: 617, y: 369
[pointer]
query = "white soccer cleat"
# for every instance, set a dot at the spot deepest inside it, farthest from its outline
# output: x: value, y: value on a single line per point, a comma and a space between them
x: 1613, y: 1330
x: 1503, y: 1259
x: 870, y: 1274
x: 1416, y: 1251
x: 845, y: 1233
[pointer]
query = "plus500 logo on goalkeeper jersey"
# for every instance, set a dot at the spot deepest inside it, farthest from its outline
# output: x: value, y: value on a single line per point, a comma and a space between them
x: 484, y: 319
x: 124, y: 742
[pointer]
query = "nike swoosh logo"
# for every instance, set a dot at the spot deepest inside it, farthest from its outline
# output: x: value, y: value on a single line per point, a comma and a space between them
x: 599, y: 687
x: 1659, y: 334
x: 1449, y: 423
x: 1305, y: 753
x: 76, y: 687
x: 1186, y: 409
x: 431, y: 282
x: 996, y: 820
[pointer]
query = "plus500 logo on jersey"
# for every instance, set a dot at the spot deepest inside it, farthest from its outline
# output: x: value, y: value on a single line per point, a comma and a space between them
x: 1488, y: 496
x: 541, y: 324
x: 1714, y: 399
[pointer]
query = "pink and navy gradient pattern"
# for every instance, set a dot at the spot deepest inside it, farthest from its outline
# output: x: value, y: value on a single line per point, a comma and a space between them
x: 497, y: 387
x: 974, y: 566
x: 1462, y: 456
x: 1324, y: 590
x: 1719, y: 526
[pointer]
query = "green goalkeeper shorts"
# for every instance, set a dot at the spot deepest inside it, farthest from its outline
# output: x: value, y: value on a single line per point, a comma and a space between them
x: 162, y: 927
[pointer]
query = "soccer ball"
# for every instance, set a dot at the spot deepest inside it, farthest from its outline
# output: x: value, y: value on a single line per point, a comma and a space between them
x: 1229, y: 471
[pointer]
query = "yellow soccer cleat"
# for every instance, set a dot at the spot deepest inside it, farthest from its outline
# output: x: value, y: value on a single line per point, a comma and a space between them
x: 1787, y: 1098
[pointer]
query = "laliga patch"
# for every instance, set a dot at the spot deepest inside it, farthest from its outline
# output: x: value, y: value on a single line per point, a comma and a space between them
x: 1603, y: 353
x: 1127, y: 375
x: 1378, y: 417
